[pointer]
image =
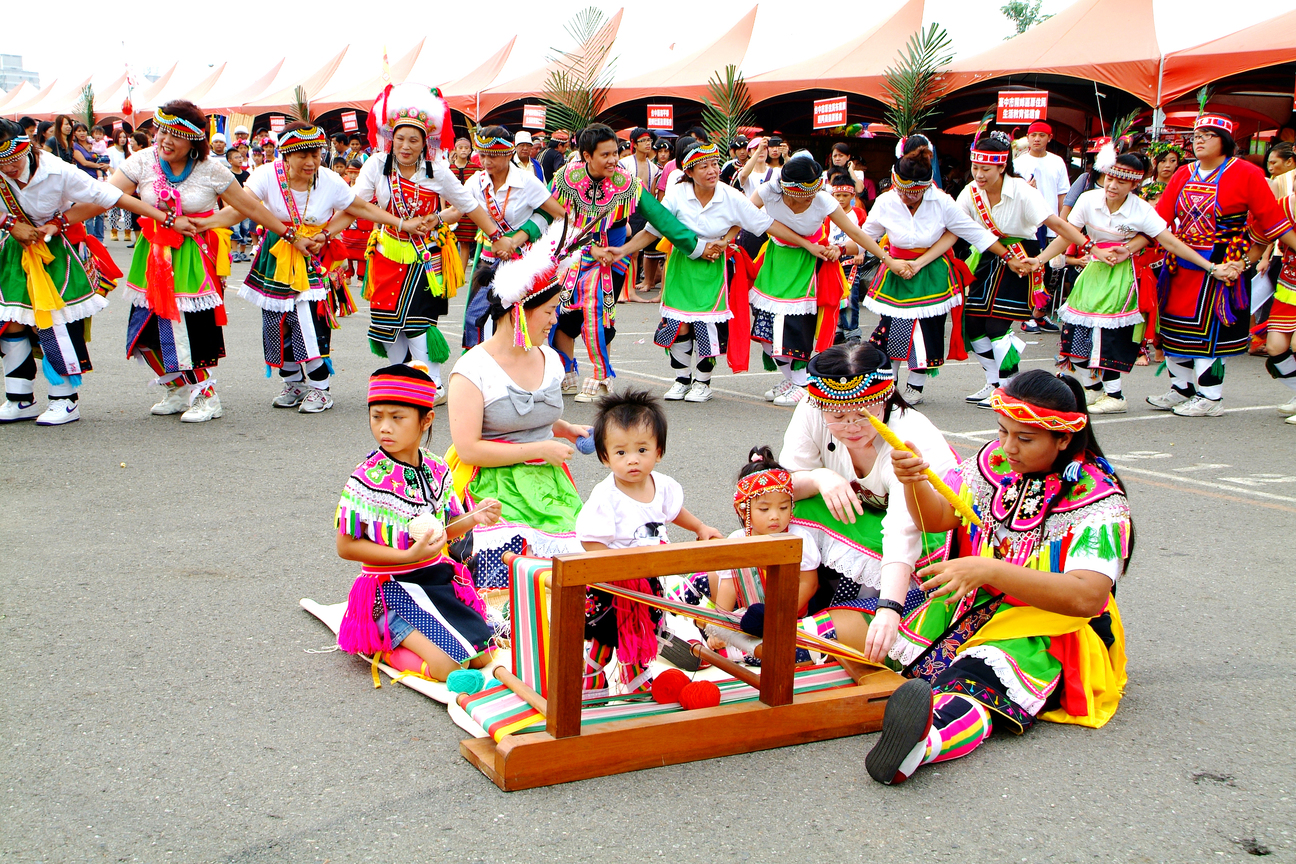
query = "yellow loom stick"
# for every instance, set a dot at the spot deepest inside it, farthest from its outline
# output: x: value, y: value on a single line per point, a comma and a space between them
x: 966, y: 513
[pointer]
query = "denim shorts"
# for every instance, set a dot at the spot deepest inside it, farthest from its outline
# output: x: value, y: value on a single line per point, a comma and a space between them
x: 398, y: 626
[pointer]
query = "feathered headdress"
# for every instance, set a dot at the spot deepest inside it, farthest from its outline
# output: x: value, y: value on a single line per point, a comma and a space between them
x: 1105, y: 161
x: 537, y: 270
x: 411, y: 105
x: 1210, y: 120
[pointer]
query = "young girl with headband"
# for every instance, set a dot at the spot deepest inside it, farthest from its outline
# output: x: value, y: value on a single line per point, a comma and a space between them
x: 1021, y: 622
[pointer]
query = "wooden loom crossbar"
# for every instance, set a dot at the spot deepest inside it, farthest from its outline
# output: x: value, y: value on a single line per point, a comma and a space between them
x: 563, y: 753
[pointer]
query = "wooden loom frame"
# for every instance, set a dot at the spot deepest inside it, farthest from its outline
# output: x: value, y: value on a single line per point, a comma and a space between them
x: 564, y: 752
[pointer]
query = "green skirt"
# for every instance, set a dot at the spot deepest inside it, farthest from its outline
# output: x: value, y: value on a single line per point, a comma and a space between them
x: 694, y: 289
x: 931, y: 292
x: 786, y: 281
x: 1104, y: 296
x: 539, y: 506
x: 197, y: 288
x: 66, y: 271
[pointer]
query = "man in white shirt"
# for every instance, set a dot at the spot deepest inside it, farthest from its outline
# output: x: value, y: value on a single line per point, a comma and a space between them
x: 218, y: 149
x: 1048, y: 173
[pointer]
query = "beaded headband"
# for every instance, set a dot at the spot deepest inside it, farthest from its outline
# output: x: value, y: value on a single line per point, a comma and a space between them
x: 844, y: 187
x: 310, y: 138
x: 899, y: 182
x: 1118, y: 171
x: 1032, y: 415
x: 178, y: 126
x: 793, y: 189
x: 401, y: 390
x: 492, y: 146
x: 844, y: 394
x: 755, y: 485
x: 700, y: 154
x: 1215, y: 121
x: 15, y: 148
x: 989, y: 157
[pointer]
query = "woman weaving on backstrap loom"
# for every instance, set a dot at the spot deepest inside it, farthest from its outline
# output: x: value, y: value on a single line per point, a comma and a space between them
x: 1022, y: 619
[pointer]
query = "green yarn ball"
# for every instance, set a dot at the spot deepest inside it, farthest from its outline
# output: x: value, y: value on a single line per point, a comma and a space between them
x: 465, y: 681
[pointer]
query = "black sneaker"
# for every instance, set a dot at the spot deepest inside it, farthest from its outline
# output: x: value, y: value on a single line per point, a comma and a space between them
x: 907, y: 721
x: 1031, y: 326
x: 1047, y: 326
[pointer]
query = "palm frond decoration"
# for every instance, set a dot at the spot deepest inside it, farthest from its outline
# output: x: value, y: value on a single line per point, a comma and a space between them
x: 86, y: 105
x: 1203, y: 98
x: 728, y: 106
x: 301, y: 105
x: 576, y: 89
x: 914, y: 84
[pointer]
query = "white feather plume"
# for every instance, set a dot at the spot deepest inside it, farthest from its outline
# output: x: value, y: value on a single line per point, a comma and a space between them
x: 1106, y: 157
x: 516, y: 277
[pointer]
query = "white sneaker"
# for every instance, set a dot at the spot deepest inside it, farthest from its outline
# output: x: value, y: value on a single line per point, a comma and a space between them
x: 590, y: 390
x: 677, y: 392
x: 1092, y: 396
x: 442, y: 397
x: 1108, y: 405
x: 777, y: 390
x: 176, y: 401
x: 982, y: 394
x: 1200, y: 406
x: 571, y: 384
x: 315, y: 401
x: 60, y: 411
x: 789, y: 397
x: 12, y: 411
x: 913, y: 396
x: 1291, y: 421
x: 291, y: 396
x: 1287, y: 409
x: 204, y: 407
x: 1167, y: 401
x: 699, y: 392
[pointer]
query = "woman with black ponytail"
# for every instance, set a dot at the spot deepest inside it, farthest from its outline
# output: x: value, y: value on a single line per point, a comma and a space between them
x: 1021, y: 622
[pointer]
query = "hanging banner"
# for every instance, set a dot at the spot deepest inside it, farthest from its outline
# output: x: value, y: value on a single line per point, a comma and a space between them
x: 661, y: 117
x: 1022, y: 106
x: 533, y: 116
x: 277, y: 124
x: 349, y: 122
x: 830, y: 113
x: 117, y: 124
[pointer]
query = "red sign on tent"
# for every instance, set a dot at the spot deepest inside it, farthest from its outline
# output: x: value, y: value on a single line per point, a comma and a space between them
x: 533, y: 116
x: 830, y: 113
x: 349, y: 122
x: 1022, y: 106
x: 117, y: 124
x: 661, y: 117
x: 277, y: 124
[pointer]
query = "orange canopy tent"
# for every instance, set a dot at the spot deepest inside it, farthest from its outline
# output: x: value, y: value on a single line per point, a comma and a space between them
x: 179, y: 82
x: 688, y: 78
x: 1112, y: 42
x: 362, y: 94
x: 224, y: 93
x: 1265, y: 44
x: 462, y: 94
x: 532, y: 83
x: 285, y: 99
x: 859, y: 66
x: 18, y: 106
x: 54, y: 102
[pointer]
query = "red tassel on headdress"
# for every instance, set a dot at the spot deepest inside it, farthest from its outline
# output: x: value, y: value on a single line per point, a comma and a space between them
x: 447, y: 124
x: 359, y: 631
x: 374, y: 121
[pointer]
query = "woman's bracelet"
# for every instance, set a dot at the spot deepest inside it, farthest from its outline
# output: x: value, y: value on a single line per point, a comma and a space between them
x: 169, y: 220
x: 290, y: 234
x: 326, y: 234
x: 400, y: 226
x: 1087, y: 247
x: 495, y: 235
x: 8, y: 222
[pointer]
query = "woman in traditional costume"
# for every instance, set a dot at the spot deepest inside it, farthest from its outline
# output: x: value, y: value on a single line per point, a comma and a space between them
x: 510, y: 441
x: 294, y: 291
x: 405, y: 279
x: 53, y: 275
x: 1102, y: 327
x: 518, y: 202
x: 600, y: 197
x: 1218, y: 206
x: 1022, y: 620
x: 921, y: 224
x: 1013, y: 210
x: 177, y: 299
x: 848, y: 501
x: 1282, y: 317
x: 795, y: 297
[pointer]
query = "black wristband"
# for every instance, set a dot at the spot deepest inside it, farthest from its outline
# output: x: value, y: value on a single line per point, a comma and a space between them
x: 895, y: 607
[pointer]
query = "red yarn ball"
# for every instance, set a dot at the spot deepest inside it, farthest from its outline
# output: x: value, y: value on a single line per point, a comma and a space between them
x: 700, y: 694
x: 666, y: 687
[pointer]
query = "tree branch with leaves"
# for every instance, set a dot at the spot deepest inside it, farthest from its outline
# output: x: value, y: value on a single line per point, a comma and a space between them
x: 577, y: 88
x: 728, y: 106
x: 1024, y: 14
x: 915, y: 84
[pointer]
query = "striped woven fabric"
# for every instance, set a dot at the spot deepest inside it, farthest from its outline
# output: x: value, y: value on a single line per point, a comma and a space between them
x: 529, y: 607
x: 749, y: 587
x: 501, y: 712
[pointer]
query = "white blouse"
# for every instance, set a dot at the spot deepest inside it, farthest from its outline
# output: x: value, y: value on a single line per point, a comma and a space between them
x: 198, y: 192
x: 809, y: 444
x: 1134, y: 217
x: 935, y: 215
x: 329, y: 195
x: 371, y: 185
x: 711, y: 223
x: 1020, y: 212
x: 56, y: 186
x: 805, y: 223
x: 518, y: 198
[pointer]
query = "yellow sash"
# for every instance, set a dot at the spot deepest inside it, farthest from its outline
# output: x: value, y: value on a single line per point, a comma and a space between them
x: 291, y: 267
x: 223, y: 236
x: 45, y: 298
x: 460, y: 472
x: 1102, y: 670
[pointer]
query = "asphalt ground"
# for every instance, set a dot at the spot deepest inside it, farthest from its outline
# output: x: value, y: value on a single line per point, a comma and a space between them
x: 161, y: 702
